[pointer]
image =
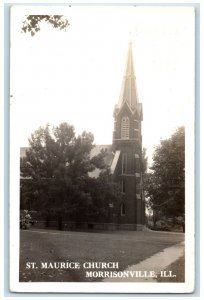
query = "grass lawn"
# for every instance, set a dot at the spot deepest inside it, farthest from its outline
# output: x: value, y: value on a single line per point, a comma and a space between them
x: 125, y: 247
x: 177, y: 268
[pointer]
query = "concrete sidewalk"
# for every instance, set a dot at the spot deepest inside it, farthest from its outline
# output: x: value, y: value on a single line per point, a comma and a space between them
x: 156, y: 263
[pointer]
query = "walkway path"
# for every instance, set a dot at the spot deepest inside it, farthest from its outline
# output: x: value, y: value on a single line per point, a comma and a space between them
x: 156, y: 263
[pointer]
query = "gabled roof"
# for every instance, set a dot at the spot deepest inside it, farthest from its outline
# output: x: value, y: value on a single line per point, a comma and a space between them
x: 115, y: 161
x: 108, y: 159
x: 127, y: 106
x: 23, y: 151
x: 108, y: 156
x: 111, y: 158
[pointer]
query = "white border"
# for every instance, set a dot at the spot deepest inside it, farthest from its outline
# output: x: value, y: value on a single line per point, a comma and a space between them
x: 101, y: 287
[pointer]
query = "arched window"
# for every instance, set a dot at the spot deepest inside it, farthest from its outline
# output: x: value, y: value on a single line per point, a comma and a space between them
x: 124, y: 163
x: 123, y: 186
x: 125, y: 128
x: 122, y: 209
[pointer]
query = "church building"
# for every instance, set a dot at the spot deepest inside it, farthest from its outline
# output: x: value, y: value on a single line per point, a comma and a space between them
x: 124, y: 156
x: 127, y: 146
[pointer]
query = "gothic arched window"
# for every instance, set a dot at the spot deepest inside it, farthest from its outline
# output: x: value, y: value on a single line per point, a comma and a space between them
x: 124, y: 163
x: 123, y: 186
x: 125, y: 128
x: 122, y: 209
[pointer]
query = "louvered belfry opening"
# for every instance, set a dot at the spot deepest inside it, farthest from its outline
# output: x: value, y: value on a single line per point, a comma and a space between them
x: 125, y: 128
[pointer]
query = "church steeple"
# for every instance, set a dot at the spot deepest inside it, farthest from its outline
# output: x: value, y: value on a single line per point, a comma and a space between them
x: 128, y: 112
x: 128, y: 92
x: 127, y: 145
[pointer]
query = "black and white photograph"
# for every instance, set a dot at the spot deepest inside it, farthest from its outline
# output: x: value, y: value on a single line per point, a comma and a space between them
x: 102, y: 104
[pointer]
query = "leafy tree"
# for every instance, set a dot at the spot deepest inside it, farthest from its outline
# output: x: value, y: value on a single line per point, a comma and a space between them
x: 32, y: 22
x: 165, y: 185
x: 56, y: 179
x: 105, y: 197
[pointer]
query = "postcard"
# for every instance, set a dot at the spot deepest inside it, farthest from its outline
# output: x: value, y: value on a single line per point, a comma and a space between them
x: 102, y: 103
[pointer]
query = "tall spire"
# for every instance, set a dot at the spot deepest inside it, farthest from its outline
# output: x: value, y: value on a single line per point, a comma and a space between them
x: 128, y: 92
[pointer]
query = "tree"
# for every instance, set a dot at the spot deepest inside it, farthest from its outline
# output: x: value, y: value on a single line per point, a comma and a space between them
x: 105, y: 197
x: 32, y: 22
x: 165, y: 185
x: 56, y: 179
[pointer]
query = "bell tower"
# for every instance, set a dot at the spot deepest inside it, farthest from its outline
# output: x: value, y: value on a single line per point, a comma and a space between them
x: 127, y: 144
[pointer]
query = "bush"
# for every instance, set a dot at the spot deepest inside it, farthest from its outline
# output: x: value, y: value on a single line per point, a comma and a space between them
x: 25, y: 220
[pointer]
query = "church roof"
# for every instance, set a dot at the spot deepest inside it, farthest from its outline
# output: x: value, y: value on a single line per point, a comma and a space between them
x: 115, y: 161
x: 128, y: 92
x: 23, y: 151
x: 108, y: 159
x: 108, y: 156
x: 95, y: 151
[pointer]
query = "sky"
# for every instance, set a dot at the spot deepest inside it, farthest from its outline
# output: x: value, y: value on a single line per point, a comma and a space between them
x: 75, y: 76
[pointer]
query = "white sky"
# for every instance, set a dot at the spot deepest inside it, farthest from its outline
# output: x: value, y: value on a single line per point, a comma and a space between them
x: 76, y: 76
